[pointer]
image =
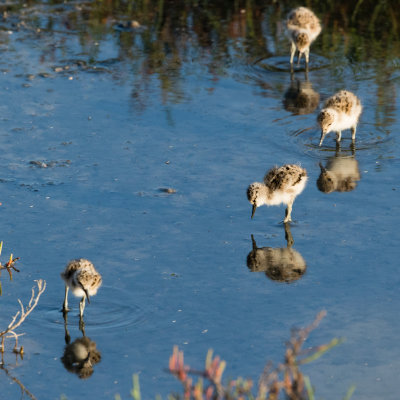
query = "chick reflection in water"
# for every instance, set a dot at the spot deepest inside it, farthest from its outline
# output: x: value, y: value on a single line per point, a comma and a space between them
x: 81, y: 355
x: 340, y: 174
x: 279, y: 264
x: 300, y: 98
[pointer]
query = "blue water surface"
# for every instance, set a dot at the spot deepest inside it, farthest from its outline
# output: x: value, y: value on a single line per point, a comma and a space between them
x: 110, y: 135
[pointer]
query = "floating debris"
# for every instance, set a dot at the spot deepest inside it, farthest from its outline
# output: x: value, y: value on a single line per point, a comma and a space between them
x: 39, y: 164
x: 129, y: 26
x: 59, y: 69
x: 50, y: 164
x: 167, y: 190
x: 45, y: 75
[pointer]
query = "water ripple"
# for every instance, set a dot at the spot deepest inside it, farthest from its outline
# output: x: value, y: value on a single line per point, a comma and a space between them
x: 281, y: 64
x: 110, y: 309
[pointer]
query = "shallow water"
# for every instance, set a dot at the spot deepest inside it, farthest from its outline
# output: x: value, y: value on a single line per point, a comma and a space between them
x: 97, y: 118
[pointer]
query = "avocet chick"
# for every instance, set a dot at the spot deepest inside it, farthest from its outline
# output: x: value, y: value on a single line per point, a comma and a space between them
x: 281, y: 185
x: 303, y: 27
x: 341, y: 111
x: 82, y: 278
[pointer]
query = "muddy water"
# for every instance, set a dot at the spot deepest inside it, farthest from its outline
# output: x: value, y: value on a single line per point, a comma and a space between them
x: 98, y: 117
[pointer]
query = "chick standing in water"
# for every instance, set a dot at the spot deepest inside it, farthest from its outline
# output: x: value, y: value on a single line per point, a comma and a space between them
x: 83, y: 279
x: 341, y: 111
x: 303, y: 27
x: 281, y: 185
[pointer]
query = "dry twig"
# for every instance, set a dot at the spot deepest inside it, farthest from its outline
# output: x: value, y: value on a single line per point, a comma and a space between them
x: 18, y: 382
x: 20, y: 317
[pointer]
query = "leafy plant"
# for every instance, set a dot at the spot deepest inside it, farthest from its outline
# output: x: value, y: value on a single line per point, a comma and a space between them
x: 285, y: 379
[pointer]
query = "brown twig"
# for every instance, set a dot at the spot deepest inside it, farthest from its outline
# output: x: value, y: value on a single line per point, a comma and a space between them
x: 21, y: 315
x: 18, y: 382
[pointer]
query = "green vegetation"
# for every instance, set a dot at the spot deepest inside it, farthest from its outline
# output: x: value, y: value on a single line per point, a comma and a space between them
x: 285, y: 379
x: 165, y: 41
x: 9, y: 266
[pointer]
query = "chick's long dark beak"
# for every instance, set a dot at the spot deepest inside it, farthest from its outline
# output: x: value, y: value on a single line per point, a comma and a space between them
x: 86, y: 292
x: 253, y: 211
x: 87, y: 295
x: 322, y: 138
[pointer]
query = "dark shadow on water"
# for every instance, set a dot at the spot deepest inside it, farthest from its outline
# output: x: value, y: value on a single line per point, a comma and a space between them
x: 281, y: 264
